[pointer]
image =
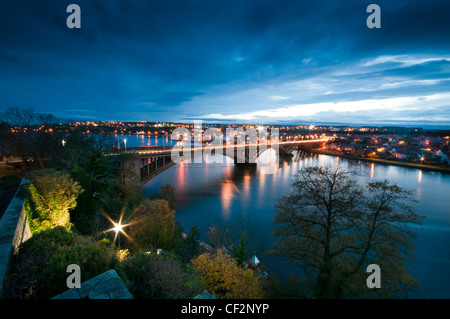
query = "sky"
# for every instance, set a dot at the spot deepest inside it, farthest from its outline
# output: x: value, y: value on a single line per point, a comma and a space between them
x: 240, y: 61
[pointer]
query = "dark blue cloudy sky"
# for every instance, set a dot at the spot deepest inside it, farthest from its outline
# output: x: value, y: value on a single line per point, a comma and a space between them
x: 254, y: 61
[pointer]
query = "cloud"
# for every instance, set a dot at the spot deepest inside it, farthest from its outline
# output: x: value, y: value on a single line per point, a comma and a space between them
x: 412, y: 83
x: 158, y: 60
x: 405, y: 60
x: 278, y: 98
x: 174, y: 98
x: 318, y: 111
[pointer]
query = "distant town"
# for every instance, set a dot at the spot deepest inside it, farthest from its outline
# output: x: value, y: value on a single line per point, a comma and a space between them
x: 396, y: 144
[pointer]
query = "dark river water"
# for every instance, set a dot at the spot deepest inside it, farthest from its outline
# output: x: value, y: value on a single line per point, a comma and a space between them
x: 222, y: 193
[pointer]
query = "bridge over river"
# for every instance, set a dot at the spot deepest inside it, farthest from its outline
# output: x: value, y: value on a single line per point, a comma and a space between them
x: 146, y: 162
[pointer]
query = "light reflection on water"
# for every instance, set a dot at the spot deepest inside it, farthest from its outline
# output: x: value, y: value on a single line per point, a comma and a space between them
x: 208, y: 193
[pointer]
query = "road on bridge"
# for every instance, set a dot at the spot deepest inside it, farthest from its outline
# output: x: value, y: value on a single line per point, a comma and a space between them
x: 167, y: 150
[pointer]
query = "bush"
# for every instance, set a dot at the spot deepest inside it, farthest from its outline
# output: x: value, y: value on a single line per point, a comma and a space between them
x: 39, y: 269
x: 223, y: 278
x: 33, y: 255
x: 188, y: 248
x: 153, y: 226
x: 93, y: 257
x: 152, y: 276
x: 51, y: 195
x: 167, y: 192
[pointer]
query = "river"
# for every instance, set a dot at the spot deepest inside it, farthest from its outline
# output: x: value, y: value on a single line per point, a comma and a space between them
x: 215, y: 193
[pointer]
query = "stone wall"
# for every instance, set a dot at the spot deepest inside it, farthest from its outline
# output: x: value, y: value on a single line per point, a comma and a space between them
x: 14, y: 230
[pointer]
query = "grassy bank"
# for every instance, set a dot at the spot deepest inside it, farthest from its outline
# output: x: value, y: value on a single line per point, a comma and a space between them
x: 427, y: 167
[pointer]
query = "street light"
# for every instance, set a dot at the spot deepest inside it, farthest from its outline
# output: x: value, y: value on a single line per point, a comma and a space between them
x: 117, y: 227
x: 125, y: 141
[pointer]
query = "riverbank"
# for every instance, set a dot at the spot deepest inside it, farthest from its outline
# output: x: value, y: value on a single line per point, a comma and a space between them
x: 426, y: 167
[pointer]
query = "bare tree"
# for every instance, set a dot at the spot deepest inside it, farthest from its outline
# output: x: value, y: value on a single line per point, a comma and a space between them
x: 333, y: 228
x: 32, y: 135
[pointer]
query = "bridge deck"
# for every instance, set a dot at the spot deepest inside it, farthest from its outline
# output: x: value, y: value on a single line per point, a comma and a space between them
x: 167, y: 150
x: 148, y: 161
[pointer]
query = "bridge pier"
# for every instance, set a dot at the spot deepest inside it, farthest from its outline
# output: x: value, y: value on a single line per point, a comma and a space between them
x: 245, y: 157
x: 246, y: 162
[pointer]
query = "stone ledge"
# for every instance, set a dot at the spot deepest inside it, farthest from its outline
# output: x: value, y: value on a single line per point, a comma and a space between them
x: 14, y: 231
x: 104, y: 286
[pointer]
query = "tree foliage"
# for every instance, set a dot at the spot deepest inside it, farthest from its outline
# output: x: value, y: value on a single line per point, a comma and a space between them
x: 96, y: 176
x: 189, y: 247
x: 240, y: 252
x: 99, y: 177
x: 94, y: 258
x: 52, y: 194
x: 229, y: 235
x: 153, y: 225
x: 167, y: 192
x: 39, y: 271
x: 34, y: 141
x: 332, y: 228
x: 152, y: 276
x: 223, y: 277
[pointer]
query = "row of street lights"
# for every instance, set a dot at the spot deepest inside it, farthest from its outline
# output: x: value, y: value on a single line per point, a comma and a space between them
x: 125, y: 143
